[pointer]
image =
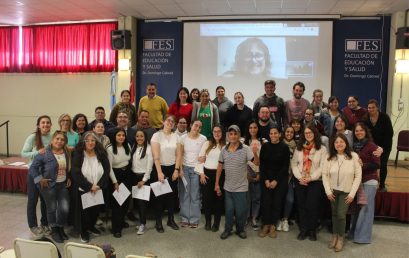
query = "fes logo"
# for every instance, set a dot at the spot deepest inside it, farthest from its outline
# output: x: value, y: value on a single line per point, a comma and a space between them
x: 159, y: 44
x: 363, y: 45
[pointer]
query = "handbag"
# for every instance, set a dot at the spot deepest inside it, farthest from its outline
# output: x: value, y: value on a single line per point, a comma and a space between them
x: 361, y: 197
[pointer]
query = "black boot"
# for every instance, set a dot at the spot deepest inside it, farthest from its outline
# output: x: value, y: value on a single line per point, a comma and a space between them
x: 62, y: 233
x: 171, y: 223
x: 55, y: 235
x: 208, y: 225
x: 216, y: 223
x: 159, y: 226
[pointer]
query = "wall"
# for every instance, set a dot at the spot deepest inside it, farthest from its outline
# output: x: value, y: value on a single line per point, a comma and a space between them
x: 24, y: 97
x: 396, y: 82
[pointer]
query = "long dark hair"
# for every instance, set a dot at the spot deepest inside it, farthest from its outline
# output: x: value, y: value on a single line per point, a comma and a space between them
x: 344, y: 119
x: 188, y: 100
x: 145, y: 144
x: 333, y: 152
x: 74, y: 121
x: 247, y: 136
x: 112, y: 139
x: 212, y: 140
x: 317, y: 138
x: 38, y: 142
x: 368, y: 134
x: 99, y: 148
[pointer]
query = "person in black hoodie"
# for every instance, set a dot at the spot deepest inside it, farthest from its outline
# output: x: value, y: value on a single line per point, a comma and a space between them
x: 90, y: 170
x: 274, y: 163
x: 239, y: 114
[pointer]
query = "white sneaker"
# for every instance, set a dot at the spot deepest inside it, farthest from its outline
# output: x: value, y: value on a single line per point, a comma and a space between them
x: 285, y: 226
x: 99, y: 222
x: 141, y: 229
x: 37, y: 231
x: 279, y: 225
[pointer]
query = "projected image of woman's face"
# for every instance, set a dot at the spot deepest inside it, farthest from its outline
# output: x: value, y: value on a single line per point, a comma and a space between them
x: 254, y: 61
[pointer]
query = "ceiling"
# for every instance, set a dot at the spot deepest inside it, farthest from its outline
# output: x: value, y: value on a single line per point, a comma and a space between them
x: 20, y: 12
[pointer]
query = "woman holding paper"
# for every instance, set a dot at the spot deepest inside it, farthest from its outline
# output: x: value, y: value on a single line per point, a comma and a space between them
x: 119, y: 156
x: 189, y: 190
x: 142, y: 162
x: 166, y: 151
x: 89, y: 169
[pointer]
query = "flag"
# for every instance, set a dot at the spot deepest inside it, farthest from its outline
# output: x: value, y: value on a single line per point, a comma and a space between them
x: 132, y: 89
x: 112, y: 92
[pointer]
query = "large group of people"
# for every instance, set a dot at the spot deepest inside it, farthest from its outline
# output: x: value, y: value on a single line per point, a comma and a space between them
x: 265, y: 166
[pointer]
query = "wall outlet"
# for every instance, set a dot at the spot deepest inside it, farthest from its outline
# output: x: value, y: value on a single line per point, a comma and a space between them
x: 400, y: 105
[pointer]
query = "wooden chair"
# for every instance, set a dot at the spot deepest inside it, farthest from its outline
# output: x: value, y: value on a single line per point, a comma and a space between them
x: 403, y: 144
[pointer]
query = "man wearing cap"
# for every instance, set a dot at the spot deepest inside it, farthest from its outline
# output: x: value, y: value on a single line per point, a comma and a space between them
x: 275, y: 104
x: 233, y: 158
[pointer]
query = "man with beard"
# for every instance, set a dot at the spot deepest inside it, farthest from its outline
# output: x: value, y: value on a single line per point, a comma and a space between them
x: 296, y: 107
x: 265, y: 123
x: 274, y: 103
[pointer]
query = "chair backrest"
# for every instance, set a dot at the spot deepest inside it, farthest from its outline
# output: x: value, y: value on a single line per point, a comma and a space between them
x: 24, y: 248
x: 75, y: 250
x: 403, y: 139
x: 136, y: 256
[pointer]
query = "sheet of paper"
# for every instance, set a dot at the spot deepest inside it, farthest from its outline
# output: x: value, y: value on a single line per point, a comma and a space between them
x: 184, y: 182
x: 17, y: 164
x: 160, y: 188
x: 121, y: 195
x: 142, y: 193
x: 92, y: 199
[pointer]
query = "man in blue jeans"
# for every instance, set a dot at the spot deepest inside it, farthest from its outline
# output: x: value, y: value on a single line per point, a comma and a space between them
x: 234, y: 158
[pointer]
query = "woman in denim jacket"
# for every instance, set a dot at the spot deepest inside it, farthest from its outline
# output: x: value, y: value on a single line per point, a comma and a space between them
x: 50, y: 173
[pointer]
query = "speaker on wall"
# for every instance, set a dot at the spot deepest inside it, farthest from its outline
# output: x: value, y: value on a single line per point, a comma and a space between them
x: 120, y: 39
x: 402, y: 38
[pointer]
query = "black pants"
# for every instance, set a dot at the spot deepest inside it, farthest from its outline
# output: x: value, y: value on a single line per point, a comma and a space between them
x: 123, y: 175
x: 140, y: 203
x: 309, y: 200
x: 166, y: 200
x: 89, y: 216
x: 212, y: 204
x: 273, y: 200
x: 384, y: 167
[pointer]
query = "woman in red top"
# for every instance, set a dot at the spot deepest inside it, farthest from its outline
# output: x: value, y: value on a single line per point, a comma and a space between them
x: 182, y: 107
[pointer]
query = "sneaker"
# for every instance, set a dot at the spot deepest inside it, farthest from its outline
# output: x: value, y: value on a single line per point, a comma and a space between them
x: 37, y: 231
x: 94, y: 231
x: 285, y: 226
x: 84, y: 237
x: 254, y: 225
x: 279, y: 225
x: 141, y: 229
x: 46, y: 230
x: 99, y: 222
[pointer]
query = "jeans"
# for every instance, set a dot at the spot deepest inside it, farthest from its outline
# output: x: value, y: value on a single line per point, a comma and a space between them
x: 309, y: 201
x: 57, y: 201
x: 289, y: 199
x: 32, y: 198
x: 254, y: 199
x: 189, y: 196
x: 235, y: 204
x: 339, y: 212
x: 361, y: 229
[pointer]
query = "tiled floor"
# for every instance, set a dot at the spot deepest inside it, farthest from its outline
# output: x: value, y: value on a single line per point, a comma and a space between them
x: 391, y: 239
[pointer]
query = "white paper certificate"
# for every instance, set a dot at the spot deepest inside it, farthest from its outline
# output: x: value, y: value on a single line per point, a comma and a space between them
x: 142, y: 193
x: 121, y: 195
x: 160, y: 188
x: 92, y: 199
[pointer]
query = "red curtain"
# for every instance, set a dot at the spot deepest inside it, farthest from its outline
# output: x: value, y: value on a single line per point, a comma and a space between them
x: 9, y: 37
x: 73, y: 48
